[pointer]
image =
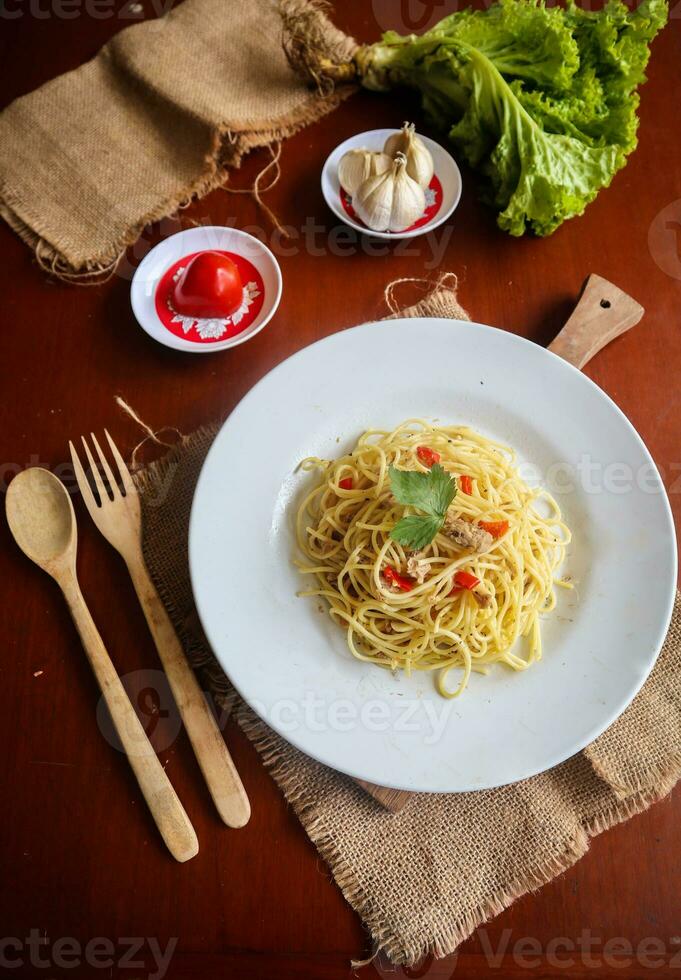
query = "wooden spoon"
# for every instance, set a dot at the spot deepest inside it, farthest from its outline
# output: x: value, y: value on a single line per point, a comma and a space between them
x: 41, y: 518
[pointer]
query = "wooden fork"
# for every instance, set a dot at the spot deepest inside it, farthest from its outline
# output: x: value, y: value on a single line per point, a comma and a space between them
x: 117, y: 514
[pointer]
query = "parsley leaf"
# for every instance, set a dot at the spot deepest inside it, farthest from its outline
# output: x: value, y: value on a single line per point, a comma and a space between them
x: 416, y: 532
x: 443, y: 489
x: 411, y: 487
x: 431, y: 493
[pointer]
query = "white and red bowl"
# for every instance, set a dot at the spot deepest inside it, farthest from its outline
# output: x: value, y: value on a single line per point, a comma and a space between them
x: 442, y: 196
x: 154, y: 277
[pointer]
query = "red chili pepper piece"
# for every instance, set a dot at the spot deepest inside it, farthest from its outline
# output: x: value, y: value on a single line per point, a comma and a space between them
x: 346, y: 483
x: 464, y: 580
x: 427, y: 456
x: 396, y: 579
x: 466, y: 483
x: 495, y: 528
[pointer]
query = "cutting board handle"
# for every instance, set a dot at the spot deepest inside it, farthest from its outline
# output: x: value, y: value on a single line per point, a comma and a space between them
x: 603, y: 312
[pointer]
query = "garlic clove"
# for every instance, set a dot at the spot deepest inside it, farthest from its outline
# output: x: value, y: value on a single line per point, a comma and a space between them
x: 358, y: 165
x: 399, y: 142
x: 420, y: 165
x: 379, y: 163
x: 373, y: 201
x: 391, y: 201
x: 409, y: 199
x: 353, y: 169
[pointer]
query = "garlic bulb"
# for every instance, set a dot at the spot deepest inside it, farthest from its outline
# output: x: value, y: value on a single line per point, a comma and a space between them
x: 390, y: 201
x: 356, y: 166
x: 419, y: 160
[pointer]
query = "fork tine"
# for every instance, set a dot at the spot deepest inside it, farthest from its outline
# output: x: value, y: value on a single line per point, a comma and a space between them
x: 96, y: 475
x: 83, y: 482
x: 107, y: 469
x: 122, y: 468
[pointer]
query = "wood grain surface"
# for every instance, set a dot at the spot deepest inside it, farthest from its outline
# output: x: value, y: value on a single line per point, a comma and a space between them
x: 80, y: 857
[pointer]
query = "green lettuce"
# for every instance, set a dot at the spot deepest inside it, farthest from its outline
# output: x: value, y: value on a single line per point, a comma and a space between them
x: 540, y: 100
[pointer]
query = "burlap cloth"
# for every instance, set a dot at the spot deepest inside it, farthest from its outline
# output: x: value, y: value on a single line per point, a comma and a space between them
x: 424, y: 879
x: 90, y: 158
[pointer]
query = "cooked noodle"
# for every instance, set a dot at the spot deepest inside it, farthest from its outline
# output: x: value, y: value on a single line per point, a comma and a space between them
x: 344, y: 536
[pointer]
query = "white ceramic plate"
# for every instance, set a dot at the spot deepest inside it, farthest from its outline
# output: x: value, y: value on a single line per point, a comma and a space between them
x: 444, y: 193
x: 156, y: 263
x: 291, y: 663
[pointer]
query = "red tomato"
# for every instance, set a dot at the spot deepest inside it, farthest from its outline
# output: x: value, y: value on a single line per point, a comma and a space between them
x: 466, y: 484
x: 346, y: 483
x: 210, y: 286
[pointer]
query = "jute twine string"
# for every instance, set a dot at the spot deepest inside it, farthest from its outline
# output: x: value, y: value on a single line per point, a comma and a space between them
x: 257, y: 190
x: 150, y: 436
x: 50, y: 262
x: 446, y: 280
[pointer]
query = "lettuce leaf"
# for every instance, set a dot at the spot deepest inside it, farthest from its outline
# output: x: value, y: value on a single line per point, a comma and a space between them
x: 541, y: 100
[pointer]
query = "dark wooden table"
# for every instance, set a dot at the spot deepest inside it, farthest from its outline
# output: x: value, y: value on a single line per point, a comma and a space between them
x: 80, y: 857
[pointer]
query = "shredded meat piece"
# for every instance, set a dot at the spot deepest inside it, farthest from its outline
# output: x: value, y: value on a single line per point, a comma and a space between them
x: 482, y: 598
x: 417, y: 568
x: 467, y: 535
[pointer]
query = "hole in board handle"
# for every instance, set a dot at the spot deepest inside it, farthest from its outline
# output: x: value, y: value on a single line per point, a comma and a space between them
x: 606, y: 304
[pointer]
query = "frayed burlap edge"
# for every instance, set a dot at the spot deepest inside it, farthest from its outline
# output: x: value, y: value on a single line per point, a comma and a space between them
x: 662, y: 776
x: 228, y: 147
x: 448, y: 939
x: 228, y: 150
x: 384, y: 938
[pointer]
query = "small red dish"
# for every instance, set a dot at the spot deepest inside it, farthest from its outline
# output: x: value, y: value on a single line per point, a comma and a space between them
x: 152, y: 288
x: 442, y: 195
x: 210, y: 330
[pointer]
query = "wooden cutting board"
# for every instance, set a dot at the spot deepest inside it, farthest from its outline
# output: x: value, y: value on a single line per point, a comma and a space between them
x: 602, y: 313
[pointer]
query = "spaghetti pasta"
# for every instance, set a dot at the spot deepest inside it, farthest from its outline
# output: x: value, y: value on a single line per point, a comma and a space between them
x: 408, y: 611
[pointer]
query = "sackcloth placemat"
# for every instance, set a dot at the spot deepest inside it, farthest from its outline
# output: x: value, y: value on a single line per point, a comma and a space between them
x: 162, y: 114
x: 423, y: 879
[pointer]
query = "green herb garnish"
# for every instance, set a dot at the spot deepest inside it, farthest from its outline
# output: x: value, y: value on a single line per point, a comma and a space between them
x: 431, y: 493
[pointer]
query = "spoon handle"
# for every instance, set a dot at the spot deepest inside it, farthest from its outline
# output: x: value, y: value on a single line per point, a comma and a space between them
x: 166, y: 808
x: 209, y: 746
